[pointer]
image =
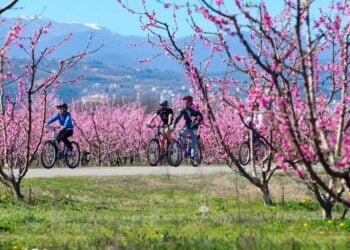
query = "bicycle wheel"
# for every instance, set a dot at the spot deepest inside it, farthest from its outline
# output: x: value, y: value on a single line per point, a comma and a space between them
x: 261, y: 152
x: 153, y: 152
x: 244, y: 153
x: 49, y: 154
x: 72, y: 157
x: 174, y: 154
x: 198, y: 157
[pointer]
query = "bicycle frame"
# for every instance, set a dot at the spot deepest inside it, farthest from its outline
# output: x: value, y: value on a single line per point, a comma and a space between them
x: 53, y: 133
x: 249, y: 133
x: 255, y: 149
x: 60, y: 150
x: 159, y: 133
x: 181, y: 140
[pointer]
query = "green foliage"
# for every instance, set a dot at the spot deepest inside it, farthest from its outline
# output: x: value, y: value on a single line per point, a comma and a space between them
x: 162, y: 212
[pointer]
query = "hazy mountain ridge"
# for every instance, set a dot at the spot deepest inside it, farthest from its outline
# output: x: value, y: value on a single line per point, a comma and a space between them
x: 116, y: 48
x: 107, y: 80
x: 114, y: 69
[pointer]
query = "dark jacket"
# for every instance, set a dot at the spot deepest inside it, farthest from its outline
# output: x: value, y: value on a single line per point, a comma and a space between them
x: 188, y: 114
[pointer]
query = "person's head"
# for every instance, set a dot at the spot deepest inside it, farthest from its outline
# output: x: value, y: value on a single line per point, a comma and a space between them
x: 62, y: 107
x: 188, y: 101
x: 164, y: 104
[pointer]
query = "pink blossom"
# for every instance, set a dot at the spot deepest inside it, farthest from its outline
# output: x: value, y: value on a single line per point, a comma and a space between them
x: 144, y: 60
x: 218, y: 2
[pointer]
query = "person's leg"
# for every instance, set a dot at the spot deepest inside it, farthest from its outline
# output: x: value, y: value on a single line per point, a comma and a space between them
x: 185, y: 132
x: 193, y: 133
x: 168, y: 135
x: 161, y: 143
x: 64, y: 138
x: 255, y: 136
x: 59, y: 137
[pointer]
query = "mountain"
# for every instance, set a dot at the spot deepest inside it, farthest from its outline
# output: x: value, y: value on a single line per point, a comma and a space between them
x: 114, y: 69
x: 106, y: 80
x: 116, y: 48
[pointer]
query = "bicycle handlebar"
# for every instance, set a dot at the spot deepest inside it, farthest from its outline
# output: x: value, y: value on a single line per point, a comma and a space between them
x: 158, y: 126
x: 53, y: 127
x: 151, y: 126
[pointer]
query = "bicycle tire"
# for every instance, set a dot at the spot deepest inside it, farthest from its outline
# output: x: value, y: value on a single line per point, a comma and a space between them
x: 244, y: 153
x: 198, y: 158
x: 261, y: 152
x: 153, y: 152
x: 52, y: 146
x: 76, y: 149
x: 174, y: 147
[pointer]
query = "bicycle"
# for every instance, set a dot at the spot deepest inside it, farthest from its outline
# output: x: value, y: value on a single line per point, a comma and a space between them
x: 181, y: 148
x: 52, y: 152
x: 260, y: 151
x: 153, y: 147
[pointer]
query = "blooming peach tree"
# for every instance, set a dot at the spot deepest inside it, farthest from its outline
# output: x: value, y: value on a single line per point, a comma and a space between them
x: 26, y: 95
x: 295, y: 70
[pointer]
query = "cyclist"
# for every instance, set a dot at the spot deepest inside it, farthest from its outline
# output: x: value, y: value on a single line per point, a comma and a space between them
x: 166, y: 115
x: 192, y: 120
x: 258, y: 121
x: 255, y: 121
x: 65, y: 119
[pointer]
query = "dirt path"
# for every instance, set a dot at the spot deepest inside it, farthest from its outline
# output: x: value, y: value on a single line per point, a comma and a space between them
x: 114, y: 171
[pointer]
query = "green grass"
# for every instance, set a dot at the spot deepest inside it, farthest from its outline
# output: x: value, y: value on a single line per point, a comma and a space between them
x: 165, y: 212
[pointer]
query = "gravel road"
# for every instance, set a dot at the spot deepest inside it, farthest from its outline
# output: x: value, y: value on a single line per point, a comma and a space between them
x: 115, y: 171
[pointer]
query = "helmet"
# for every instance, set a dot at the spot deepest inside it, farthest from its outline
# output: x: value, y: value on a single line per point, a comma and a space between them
x: 62, y: 105
x: 164, y: 103
x: 188, y: 98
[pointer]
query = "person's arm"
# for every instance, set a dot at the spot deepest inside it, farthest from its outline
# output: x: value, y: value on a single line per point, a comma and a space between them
x: 52, y: 119
x: 200, y: 116
x: 178, y: 118
x: 198, y: 119
x: 260, y: 120
x: 152, y: 119
x: 170, y: 118
x: 67, y: 121
x: 249, y: 120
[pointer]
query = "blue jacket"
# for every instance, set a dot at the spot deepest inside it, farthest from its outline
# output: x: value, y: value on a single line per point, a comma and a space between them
x: 65, y: 120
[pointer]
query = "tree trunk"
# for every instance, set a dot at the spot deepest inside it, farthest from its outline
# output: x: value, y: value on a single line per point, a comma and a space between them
x: 266, y: 195
x: 327, y: 210
x: 16, y: 189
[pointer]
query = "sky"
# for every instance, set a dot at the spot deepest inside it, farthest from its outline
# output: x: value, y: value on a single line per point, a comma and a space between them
x: 106, y: 13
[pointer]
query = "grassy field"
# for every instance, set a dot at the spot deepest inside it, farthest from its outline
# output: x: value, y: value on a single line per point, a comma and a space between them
x: 165, y: 212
